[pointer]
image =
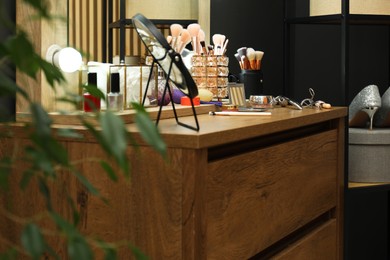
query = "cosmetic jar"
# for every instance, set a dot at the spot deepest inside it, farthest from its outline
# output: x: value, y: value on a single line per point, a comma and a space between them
x: 261, y: 101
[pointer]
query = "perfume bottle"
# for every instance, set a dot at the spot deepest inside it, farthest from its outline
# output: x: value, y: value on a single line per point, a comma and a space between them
x: 91, y: 103
x: 115, y: 98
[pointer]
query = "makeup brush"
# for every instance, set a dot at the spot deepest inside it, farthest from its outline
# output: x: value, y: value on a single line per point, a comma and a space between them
x: 244, y: 60
x: 222, y: 39
x: 169, y: 39
x: 238, y: 57
x: 175, y: 32
x: 259, y: 57
x: 242, y: 51
x: 218, y: 40
x: 251, y: 55
x: 185, y: 38
x: 193, y: 29
x: 210, y: 49
x: 224, y: 47
x: 201, y: 39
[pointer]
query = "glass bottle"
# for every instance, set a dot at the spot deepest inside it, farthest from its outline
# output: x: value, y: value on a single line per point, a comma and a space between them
x: 115, y: 98
x: 91, y: 103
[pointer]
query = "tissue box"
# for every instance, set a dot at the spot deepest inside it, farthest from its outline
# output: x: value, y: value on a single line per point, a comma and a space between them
x: 378, y: 7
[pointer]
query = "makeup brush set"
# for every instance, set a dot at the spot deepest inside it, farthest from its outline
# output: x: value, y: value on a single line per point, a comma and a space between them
x: 180, y: 37
x: 249, y: 58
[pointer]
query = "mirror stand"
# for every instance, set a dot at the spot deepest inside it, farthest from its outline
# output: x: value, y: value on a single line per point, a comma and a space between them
x: 196, y: 127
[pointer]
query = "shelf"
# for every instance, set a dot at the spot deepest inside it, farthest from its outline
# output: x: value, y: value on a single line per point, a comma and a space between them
x: 358, y: 19
x: 128, y: 22
x: 365, y: 186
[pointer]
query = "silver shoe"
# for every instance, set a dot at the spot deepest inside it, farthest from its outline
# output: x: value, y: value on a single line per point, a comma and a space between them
x: 363, y: 107
x: 382, y: 117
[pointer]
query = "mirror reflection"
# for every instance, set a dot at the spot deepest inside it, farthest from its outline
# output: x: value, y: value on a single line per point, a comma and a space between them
x: 163, y: 54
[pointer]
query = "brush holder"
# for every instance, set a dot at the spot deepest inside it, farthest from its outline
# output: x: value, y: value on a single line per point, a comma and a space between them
x: 253, y: 82
x: 211, y: 72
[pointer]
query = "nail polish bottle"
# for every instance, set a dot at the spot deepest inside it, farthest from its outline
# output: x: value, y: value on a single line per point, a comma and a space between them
x: 115, y: 98
x: 91, y: 103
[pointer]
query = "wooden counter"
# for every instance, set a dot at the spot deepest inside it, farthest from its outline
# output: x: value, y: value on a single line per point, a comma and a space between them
x: 242, y: 186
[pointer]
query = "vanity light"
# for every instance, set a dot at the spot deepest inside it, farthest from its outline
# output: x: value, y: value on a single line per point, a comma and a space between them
x: 67, y: 59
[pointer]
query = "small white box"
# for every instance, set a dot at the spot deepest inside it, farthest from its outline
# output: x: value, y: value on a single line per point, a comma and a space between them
x: 325, y: 7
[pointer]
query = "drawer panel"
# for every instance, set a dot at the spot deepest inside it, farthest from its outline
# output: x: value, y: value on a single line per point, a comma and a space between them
x: 319, y: 244
x: 257, y: 198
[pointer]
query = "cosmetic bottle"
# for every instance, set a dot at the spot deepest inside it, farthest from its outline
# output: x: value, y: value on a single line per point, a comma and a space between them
x: 115, y: 98
x: 91, y: 103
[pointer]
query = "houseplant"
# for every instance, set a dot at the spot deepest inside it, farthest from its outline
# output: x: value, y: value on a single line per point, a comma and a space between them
x: 47, y: 156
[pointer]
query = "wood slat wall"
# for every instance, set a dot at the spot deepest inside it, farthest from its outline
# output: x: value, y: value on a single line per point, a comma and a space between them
x: 86, y: 27
x: 86, y: 30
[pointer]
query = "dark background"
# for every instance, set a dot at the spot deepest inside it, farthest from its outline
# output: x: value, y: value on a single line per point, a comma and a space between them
x: 316, y: 63
x: 7, y: 103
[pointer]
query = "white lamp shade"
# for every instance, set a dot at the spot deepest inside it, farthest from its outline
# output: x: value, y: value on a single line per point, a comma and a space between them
x: 67, y: 59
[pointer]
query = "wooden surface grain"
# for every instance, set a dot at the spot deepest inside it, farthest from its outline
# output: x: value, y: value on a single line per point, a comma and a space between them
x: 278, y: 188
x: 231, y: 190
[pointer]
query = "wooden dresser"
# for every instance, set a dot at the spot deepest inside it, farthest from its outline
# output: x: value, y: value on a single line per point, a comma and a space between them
x: 242, y: 187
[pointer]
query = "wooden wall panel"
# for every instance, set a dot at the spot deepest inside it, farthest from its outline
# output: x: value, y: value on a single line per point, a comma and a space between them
x: 86, y: 28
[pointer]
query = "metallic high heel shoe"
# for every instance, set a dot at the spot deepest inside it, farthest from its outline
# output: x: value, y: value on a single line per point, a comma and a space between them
x: 382, y: 116
x: 363, y: 107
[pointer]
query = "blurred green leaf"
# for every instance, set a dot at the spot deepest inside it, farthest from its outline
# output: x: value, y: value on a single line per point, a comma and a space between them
x: 27, y: 175
x: 52, y: 73
x: 8, y: 87
x: 42, y: 137
x: 94, y: 91
x: 67, y: 228
x: 39, y: 160
x: 41, y: 6
x: 114, y: 135
x: 78, y: 248
x: 138, y: 253
x: 21, y: 52
x: 86, y: 183
x: 44, y: 189
x: 110, y: 172
x: 69, y: 133
x: 110, y: 253
x: 75, y: 212
x: 32, y: 241
x: 148, y: 129
x: 72, y: 99
x: 10, y: 254
x: 5, y: 172
x: 41, y: 120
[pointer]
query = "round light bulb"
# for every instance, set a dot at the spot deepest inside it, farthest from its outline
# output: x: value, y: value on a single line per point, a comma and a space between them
x: 69, y: 59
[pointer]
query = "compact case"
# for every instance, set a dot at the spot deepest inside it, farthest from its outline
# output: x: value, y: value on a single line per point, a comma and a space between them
x: 377, y: 7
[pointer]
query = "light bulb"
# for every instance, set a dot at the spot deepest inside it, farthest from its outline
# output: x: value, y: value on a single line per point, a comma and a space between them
x: 69, y: 59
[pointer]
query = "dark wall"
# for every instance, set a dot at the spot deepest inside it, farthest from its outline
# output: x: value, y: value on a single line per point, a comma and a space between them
x: 7, y: 103
x: 249, y: 24
x: 315, y: 49
x: 317, y: 60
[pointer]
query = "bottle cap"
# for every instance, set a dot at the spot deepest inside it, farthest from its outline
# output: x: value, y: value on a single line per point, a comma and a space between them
x: 115, y: 82
x: 92, y: 78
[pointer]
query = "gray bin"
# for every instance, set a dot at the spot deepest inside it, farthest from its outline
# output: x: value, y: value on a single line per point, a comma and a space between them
x: 369, y: 155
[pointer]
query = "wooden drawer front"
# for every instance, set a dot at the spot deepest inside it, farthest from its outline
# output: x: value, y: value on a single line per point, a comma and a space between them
x: 257, y: 198
x: 319, y: 244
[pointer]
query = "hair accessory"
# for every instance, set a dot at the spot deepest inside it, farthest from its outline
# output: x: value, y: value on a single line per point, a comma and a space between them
x: 309, y: 102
